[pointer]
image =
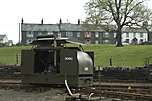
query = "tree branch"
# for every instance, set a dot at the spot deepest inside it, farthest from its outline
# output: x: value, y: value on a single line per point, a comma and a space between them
x: 112, y: 10
x: 134, y: 6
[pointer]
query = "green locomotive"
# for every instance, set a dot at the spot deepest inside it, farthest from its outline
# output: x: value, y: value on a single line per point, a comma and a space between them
x: 50, y: 62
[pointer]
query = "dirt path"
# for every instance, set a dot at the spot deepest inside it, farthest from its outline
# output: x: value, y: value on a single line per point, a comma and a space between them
x: 50, y: 95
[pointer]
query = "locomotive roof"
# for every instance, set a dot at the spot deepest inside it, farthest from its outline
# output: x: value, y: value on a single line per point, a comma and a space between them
x: 50, y: 40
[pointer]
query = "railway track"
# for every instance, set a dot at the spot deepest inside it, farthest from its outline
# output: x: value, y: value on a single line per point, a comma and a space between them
x: 138, y: 90
x: 123, y: 93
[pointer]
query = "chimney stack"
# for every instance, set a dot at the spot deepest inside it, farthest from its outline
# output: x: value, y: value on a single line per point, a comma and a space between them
x: 60, y: 22
x: 42, y: 21
x: 78, y: 21
x: 22, y: 21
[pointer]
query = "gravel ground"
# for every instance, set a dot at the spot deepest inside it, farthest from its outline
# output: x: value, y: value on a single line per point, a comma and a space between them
x: 54, y: 94
x: 21, y: 95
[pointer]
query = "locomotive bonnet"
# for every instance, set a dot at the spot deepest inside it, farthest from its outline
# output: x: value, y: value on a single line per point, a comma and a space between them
x: 51, y: 62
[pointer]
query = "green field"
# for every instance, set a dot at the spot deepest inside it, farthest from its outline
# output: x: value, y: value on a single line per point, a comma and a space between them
x: 9, y: 55
x: 133, y: 55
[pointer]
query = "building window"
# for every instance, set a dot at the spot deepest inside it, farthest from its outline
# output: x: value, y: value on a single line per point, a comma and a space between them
x: 141, y: 35
x: 29, y: 34
x: 134, y: 35
x: 96, y: 42
x: 43, y: 33
x: 39, y: 33
x: 106, y: 34
x: 59, y: 35
x: 69, y: 34
x: 87, y: 35
x: 114, y: 34
x: 127, y: 35
x: 106, y: 41
x: 50, y: 33
x: 78, y: 34
x: 96, y: 34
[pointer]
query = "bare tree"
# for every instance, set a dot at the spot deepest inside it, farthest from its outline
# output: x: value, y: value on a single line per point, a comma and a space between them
x: 119, y: 12
x: 143, y: 18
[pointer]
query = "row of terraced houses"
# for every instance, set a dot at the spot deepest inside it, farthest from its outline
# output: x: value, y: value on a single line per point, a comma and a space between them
x: 87, y: 34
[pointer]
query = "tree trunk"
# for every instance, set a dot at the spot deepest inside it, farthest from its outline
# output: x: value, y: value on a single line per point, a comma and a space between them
x: 148, y: 34
x: 119, y: 38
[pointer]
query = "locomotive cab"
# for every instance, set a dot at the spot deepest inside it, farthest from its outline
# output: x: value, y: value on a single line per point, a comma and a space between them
x: 50, y: 62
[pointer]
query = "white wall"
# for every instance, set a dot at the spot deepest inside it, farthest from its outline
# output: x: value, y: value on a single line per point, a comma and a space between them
x: 131, y: 36
x: 5, y: 39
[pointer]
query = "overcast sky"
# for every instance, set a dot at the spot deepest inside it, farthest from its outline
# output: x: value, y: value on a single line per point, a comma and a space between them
x: 34, y: 10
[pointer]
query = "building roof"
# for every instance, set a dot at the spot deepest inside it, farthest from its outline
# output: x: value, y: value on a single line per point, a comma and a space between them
x: 2, y: 36
x: 74, y: 27
x: 39, y: 27
x: 131, y: 30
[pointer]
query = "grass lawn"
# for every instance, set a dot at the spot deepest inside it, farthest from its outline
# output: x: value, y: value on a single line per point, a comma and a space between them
x: 132, y: 55
x: 8, y: 55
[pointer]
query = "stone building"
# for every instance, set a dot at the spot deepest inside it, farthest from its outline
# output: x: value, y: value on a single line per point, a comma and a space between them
x: 87, y: 34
